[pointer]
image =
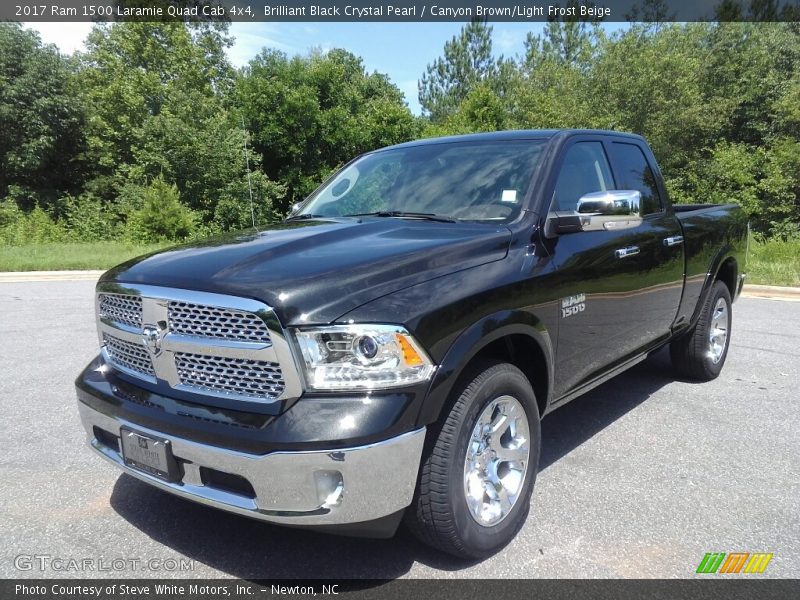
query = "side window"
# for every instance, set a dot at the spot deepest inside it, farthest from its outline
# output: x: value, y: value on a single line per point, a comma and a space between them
x: 634, y: 173
x: 585, y: 169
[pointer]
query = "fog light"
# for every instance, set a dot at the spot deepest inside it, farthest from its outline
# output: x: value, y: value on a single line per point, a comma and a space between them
x: 330, y: 488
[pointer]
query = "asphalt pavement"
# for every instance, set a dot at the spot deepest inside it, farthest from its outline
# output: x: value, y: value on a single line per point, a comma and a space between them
x: 638, y: 479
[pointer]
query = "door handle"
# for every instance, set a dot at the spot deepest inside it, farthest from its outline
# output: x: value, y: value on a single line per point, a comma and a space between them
x: 673, y: 240
x: 624, y: 252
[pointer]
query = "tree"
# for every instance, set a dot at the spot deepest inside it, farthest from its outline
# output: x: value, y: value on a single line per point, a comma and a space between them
x: 755, y: 10
x: 130, y: 70
x: 161, y: 216
x: 467, y: 61
x: 553, y: 89
x: 751, y: 74
x: 651, y: 82
x: 159, y: 99
x: 748, y: 70
x: 569, y: 40
x: 41, y: 118
x: 310, y: 114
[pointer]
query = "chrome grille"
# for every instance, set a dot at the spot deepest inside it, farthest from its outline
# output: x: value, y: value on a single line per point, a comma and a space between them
x: 122, y: 309
x: 133, y: 357
x: 220, y: 323
x: 235, y: 376
x: 202, y: 343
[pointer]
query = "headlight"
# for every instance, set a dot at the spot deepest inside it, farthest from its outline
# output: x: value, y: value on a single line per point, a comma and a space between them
x: 361, y: 357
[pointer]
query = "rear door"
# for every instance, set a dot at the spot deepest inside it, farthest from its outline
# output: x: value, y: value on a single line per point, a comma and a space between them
x: 660, y: 241
x: 618, y: 288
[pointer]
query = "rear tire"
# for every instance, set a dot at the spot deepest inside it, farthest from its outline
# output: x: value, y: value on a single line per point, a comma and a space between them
x: 479, y: 465
x: 700, y: 354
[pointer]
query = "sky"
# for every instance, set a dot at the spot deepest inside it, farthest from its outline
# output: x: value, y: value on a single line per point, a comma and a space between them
x: 400, y: 50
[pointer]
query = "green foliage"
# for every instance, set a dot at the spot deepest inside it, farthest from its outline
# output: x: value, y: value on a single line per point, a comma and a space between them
x: 34, y: 227
x: 467, y: 61
x: 774, y: 262
x: 570, y: 41
x: 147, y: 102
x: 482, y: 110
x: 88, y: 219
x: 233, y: 211
x: 161, y: 217
x: 732, y: 175
x: 10, y: 214
x: 310, y: 114
x: 142, y: 137
x: 41, y: 120
x: 718, y: 102
x: 157, y: 93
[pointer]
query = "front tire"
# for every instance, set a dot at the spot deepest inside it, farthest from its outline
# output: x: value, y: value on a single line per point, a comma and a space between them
x: 480, y: 465
x: 700, y: 354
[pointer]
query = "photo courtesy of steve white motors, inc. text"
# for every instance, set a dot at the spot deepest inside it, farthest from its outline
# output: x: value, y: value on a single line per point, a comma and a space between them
x: 172, y: 590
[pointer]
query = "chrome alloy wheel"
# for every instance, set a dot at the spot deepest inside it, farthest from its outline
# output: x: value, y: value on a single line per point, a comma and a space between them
x: 718, y: 331
x: 497, y: 460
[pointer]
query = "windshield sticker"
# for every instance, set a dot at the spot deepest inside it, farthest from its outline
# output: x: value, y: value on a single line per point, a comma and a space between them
x: 509, y: 196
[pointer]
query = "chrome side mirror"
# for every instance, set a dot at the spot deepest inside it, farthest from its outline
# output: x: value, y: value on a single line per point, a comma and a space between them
x: 610, y: 203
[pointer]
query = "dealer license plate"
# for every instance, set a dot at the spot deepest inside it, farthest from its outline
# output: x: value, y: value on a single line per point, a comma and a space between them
x: 148, y: 454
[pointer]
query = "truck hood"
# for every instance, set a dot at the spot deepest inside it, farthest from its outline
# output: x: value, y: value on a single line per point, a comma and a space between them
x: 316, y: 271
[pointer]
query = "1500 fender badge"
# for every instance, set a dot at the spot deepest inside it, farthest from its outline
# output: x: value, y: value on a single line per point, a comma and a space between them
x: 572, y: 305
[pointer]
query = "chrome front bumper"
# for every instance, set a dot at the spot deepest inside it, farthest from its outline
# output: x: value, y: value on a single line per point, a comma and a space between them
x: 321, y: 487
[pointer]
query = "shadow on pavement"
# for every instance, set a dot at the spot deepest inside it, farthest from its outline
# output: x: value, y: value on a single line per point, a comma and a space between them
x: 251, y: 549
x: 246, y: 548
x: 570, y: 426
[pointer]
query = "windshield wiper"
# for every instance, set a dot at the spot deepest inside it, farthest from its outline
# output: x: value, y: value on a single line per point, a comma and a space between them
x: 303, y: 217
x: 401, y: 213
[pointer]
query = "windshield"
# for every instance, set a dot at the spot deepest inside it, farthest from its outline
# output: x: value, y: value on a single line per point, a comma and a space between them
x: 461, y: 180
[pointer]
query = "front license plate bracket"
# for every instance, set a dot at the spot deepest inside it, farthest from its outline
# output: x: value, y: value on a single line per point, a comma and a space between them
x: 149, y: 454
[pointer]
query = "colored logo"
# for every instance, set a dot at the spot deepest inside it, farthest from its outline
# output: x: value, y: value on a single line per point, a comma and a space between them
x: 735, y: 562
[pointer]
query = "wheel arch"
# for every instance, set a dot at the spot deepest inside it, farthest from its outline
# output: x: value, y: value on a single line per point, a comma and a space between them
x: 728, y: 273
x: 514, y: 336
x: 725, y: 268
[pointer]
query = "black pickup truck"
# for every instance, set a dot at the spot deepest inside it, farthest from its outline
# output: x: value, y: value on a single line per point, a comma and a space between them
x: 389, y: 350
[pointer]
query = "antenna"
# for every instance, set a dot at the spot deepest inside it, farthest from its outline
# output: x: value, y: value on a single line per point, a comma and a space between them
x: 249, y: 182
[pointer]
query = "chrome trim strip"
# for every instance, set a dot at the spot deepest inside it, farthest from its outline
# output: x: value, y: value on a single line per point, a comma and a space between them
x: 320, y: 487
x: 155, y: 301
x: 199, y: 345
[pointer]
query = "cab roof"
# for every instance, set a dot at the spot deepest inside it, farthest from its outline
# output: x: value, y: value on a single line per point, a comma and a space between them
x: 514, y: 134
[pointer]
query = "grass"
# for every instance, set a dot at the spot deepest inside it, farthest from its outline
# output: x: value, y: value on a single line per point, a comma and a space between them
x: 70, y: 256
x: 770, y: 263
x: 774, y: 263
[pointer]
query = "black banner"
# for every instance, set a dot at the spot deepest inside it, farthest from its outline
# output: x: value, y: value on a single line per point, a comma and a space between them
x: 734, y: 588
x: 397, y: 10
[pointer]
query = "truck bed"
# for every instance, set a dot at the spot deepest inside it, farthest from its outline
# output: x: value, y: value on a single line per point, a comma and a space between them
x: 709, y: 231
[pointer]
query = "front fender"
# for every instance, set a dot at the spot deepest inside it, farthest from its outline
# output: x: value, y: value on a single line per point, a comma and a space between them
x: 470, y: 343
